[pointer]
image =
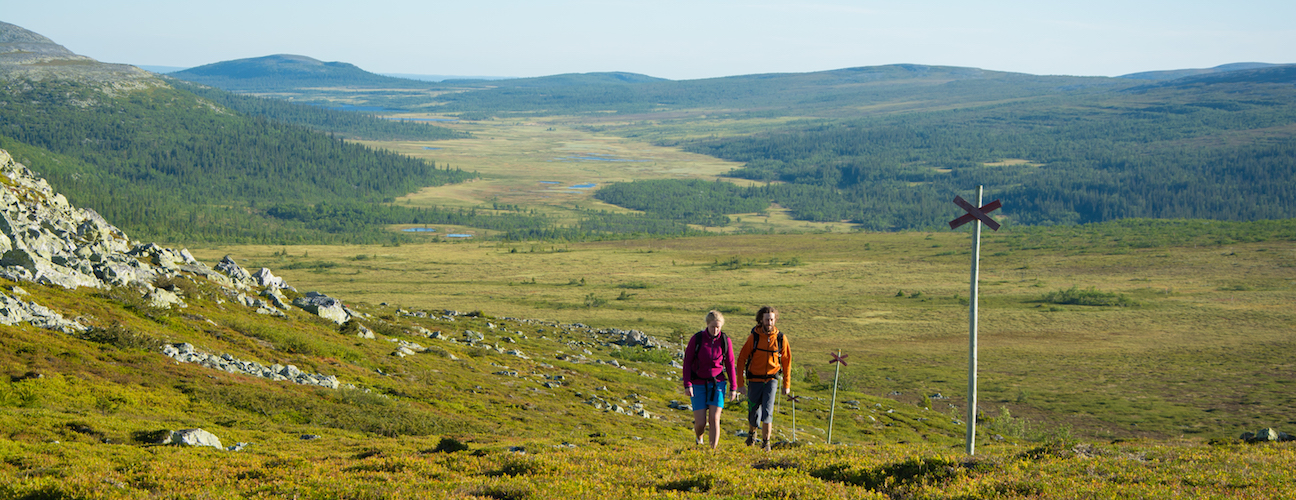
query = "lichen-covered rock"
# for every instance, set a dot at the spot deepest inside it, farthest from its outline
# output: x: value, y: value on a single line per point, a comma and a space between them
x: 323, y: 306
x: 233, y: 270
x: 194, y: 437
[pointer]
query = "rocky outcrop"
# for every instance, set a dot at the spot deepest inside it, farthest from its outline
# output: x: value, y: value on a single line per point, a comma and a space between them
x: 27, y: 55
x: 14, y: 310
x: 45, y: 240
x: 1266, y: 435
x: 186, y: 353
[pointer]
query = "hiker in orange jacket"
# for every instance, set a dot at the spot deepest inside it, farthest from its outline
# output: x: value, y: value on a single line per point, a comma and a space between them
x: 764, y: 361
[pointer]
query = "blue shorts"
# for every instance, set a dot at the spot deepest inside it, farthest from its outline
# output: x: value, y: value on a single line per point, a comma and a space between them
x: 707, y: 394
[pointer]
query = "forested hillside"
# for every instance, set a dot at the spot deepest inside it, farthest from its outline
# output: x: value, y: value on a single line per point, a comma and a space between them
x: 837, y: 93
x: 332, y: 121
x: 166, y: 164
x: 1218, y: 146
x: 884, y: 147
x: 888, y: 147
x: 1226, y: 154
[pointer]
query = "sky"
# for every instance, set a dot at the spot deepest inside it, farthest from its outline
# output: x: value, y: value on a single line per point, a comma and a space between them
x: 674, y: 39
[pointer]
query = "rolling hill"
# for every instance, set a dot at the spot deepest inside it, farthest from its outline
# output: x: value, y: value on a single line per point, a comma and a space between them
x: 287, y: 70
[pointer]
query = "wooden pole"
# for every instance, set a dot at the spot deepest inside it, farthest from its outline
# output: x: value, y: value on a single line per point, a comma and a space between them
x: 832, y: 410
x: 972, y: 334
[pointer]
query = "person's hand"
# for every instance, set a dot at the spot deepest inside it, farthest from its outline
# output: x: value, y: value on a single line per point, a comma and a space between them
x: 741, y: 390
x: 787, y: 391
x: 689, y: 389
x: 733, y: 395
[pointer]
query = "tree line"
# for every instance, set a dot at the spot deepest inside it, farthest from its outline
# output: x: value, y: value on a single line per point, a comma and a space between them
x: 1077, y: 161
x: 344, y: 124
x: 163, y: 163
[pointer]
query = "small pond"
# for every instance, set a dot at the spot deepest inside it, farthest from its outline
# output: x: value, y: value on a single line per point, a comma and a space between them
x: 596, y: 157
x: 397, y: 118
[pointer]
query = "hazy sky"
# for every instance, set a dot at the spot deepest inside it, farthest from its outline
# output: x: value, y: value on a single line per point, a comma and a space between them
x: 676, y: 39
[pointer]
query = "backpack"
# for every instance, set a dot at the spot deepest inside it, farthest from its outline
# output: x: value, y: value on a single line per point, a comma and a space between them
x: 724, y: 341
x: 778, y: 348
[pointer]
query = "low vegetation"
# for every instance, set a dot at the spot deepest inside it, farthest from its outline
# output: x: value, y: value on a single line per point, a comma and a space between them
x: 1086, y: 401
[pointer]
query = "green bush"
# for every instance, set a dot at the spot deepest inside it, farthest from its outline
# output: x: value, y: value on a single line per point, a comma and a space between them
x: 121, y: 336
x: 1088, y: 297
x: 643, y: 355
x: 450, y: 445
x: 178, y: 284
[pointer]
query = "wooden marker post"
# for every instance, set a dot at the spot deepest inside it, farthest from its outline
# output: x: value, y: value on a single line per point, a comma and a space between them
x: 974, y: 213
x: 832, y: 410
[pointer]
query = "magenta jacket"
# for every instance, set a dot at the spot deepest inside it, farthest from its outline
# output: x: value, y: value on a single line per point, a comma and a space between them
x: 707, y: 356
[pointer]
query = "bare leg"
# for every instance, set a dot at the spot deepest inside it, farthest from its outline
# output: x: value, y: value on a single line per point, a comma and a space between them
x: 713, y: 420
x: 767, y: 429
x: 699, y: 424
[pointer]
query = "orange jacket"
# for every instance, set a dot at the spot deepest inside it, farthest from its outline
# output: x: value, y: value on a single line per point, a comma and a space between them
x: 762, y: 360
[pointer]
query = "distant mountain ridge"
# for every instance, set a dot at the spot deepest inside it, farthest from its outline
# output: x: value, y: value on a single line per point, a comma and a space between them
x: 288, y: 70
x: 1180, y: 73
x: 1263, y: 74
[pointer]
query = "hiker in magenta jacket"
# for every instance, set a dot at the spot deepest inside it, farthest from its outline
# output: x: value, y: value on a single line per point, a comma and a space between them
x: 708, y: 373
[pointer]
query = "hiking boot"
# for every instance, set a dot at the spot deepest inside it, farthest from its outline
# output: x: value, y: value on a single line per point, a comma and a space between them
x: 750, y: 439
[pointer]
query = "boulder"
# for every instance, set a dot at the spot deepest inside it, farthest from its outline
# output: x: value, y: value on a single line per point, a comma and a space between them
x: 194, y: 437
x: 232, y: 269
x: 265, y: 278
x: 323, y: 306
x: 276, y: 298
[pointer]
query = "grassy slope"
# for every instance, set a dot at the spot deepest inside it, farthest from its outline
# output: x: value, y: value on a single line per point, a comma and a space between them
x: 72, y: 432
x: 1207, y: 301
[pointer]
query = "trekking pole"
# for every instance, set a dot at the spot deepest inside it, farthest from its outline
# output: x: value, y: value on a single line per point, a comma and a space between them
x: 793, y: 399
x: 832, y: 410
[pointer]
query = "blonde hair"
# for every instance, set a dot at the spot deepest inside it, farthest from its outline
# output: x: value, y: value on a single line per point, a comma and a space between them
x: 714, y: 315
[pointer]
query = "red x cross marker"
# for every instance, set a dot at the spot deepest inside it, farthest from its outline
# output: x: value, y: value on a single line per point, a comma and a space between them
x: 838, y: 359
x: 974, y: 213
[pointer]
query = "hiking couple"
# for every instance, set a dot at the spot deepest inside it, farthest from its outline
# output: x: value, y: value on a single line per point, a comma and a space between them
x: 709, y: 369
